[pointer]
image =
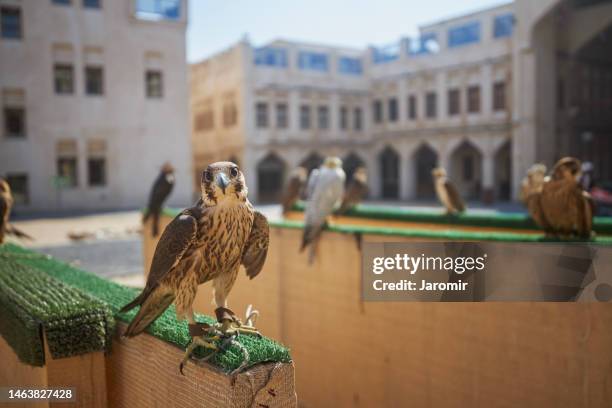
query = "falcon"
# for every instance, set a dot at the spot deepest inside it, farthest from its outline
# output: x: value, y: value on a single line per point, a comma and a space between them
x: 207, y: 242
x: 356, y: 190
x: 6, y: 204
x: 566, y: 208
x: 295, y: 185
x: 162, y: 187
x: 325, y: 190
x: 533, y: 182
x: 447, y: 192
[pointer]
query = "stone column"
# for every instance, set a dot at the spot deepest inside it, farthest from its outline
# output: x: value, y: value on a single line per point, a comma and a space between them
x: 488, y: 177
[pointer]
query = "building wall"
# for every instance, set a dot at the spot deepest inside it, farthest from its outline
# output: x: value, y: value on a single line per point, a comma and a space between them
x: 139, y: 133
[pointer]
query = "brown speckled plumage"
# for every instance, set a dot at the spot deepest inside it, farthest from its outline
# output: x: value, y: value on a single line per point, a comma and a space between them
x: 207, y: 242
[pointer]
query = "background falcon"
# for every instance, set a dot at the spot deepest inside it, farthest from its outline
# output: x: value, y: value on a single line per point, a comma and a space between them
x: 447, y: 192
x: 6, y: 204
x: 531, y: 191
x: 355, y: 192
x: 207, y: 242
x: 162, y: 187
x: 566, y: 209
x: 325, y: 190
x: 294, y: 188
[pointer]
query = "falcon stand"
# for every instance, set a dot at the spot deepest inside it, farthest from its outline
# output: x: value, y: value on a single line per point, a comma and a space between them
x: 228, y: 328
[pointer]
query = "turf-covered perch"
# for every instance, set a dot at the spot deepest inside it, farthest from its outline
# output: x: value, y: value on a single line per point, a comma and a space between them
x: 601, y: 225
x: 77, y: 312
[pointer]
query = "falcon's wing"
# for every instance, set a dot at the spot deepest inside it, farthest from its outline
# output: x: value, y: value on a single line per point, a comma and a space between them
x: 176, y: 239
x: 294, y: 188
x: 453, y: 196
x: 312, y: 183
x: 586, y: 210
x: 256, y: 248
x: 534, y: 206
x: 353, y: 195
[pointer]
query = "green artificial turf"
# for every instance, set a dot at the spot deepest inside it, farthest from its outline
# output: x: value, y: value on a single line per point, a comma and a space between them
x: 77, y: 310
x: 601, y: 225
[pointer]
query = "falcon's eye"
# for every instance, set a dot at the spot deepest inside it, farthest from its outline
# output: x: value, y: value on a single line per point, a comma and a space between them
x: 207, y: 175
x: 234, y: 171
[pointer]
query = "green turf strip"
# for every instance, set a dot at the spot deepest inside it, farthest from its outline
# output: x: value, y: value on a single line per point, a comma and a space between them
x: 449, y: 234
x: 77, y: 309
x: 601, y: 225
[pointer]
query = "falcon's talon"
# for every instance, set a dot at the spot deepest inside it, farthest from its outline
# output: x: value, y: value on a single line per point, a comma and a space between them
x: 199, y: 341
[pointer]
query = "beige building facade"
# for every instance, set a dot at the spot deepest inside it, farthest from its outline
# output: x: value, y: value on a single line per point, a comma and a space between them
x: 94, y: 101
x: 478, y: 94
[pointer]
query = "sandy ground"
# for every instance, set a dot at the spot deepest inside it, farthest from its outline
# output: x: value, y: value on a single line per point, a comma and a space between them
x: 110, y: 245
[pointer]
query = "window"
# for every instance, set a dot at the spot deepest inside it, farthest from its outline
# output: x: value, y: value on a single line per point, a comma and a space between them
x: 323, y: 117
x: 261, y: 114
x: 19, y: 188
x: 312, y: 61
x: 10, y: 19
x: 14, y: 122
x: 67, y: 169
x: 154, y: 84
x: 431, y: 110
x: 343, y: 118
x: 91, y: 3
x: 357, y: 119
x: 392, y: 105
x: 378, y: 114
x: 230, y: 114
x: 304, y: 117
x: 94, y: 80
x: 204, y: 120
x: 96, y: 171
x: 412, y: 107
x: 465, y: 34
x: 63, y: 79
x: 454, y: 103
x: 62, y: 2
x: 158, y: 9
x: 499, y: 96
x: 282, y: 116
x: 386, y: 53
x: 348, y: 65
x: 468, y: 168
x: 271, y: 57
x: 473, y: 99
x: 503, y: 25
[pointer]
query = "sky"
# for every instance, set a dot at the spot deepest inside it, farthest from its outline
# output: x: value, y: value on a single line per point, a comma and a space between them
x: 216, y: 24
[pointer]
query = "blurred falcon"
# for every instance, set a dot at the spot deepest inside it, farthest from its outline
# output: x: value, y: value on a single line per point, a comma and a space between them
x: 356, y: 190
x: 295, y: 186
x: 531, y: 192
x: 447, y: 192
x: 6, y: 204
x: 162, y: 187
x: 325, y: 190
x: 207, y: 242
x: 566, y: 208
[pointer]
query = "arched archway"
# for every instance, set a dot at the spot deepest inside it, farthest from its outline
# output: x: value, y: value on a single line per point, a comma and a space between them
x: 312, y: 161
x: 350, y: 163
x: 425, y: 159
x: 466, y: 170
x: 270, y: 175
x: 503, y: 172
x: 389, y: 162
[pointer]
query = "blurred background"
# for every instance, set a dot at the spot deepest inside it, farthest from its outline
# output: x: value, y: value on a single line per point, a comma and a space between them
x: 97, y: 95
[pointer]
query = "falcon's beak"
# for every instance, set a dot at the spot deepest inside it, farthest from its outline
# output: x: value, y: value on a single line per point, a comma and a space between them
x: 222, y: 181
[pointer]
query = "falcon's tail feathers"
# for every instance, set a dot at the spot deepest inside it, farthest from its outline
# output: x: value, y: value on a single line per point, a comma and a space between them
x: 152, y: 307
x: 19, y: 233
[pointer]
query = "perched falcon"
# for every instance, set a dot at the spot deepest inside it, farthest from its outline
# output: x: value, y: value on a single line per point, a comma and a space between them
x: 447, y: 192
x: 162, y: 187
x: 6, y: 204
x: 356, y: 190
x: 566, y: 208
x: 294, y: 188
x: 533, y: 181
x: 207, y: 242
x: 325, y: 190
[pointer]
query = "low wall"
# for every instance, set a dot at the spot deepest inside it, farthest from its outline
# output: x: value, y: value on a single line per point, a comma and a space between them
x: 351, y: 353
x: 61, y: 327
